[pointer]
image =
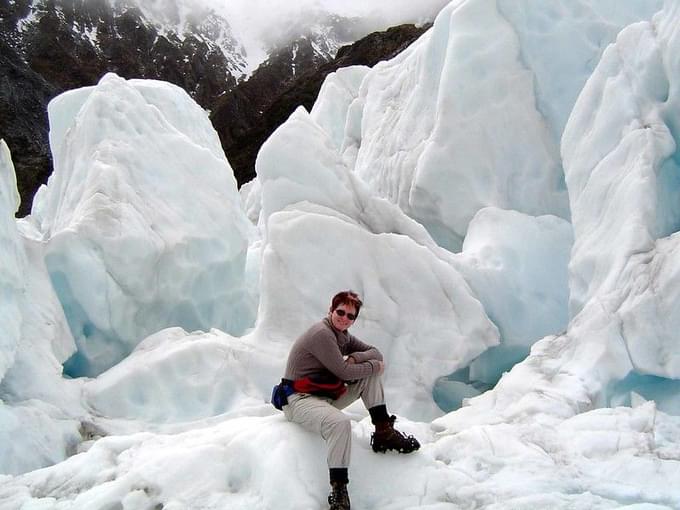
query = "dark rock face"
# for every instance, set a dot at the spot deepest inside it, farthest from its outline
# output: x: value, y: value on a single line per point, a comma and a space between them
x: 49, y: 46
x: 240, y: 117
x: 246, y: 117
x: 24, y: 95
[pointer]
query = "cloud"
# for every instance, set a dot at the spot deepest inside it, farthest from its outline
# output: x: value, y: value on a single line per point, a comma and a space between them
x: 260, y: 25
x: 266, y: 20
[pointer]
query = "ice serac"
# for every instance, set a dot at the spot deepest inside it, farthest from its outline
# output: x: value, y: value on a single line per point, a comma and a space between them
x: 585, y: 27
x: 142, y: 220
x: 621, y: 162
x: 46, y: 340
x: 624, y: 184
x: 13, y: 261
x: 331, y: 108
x: 471, y: 115
x: 38, y: 409
x: 321, y: 220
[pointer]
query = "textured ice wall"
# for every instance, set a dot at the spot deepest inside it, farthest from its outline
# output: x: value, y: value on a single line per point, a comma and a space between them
x: 561, y: 42
x: 45, y: 341
x: 331, y: 108
x: 471, y: 115
x: 37, y: 407
x: 142, y: 219
x: 13, y: 261
x: 621, y: 161
x: 325, y: 232
x: 516, y: 265
x: 624, y: 185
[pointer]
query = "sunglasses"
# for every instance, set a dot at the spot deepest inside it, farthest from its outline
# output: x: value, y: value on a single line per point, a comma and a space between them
x: 341, y: 313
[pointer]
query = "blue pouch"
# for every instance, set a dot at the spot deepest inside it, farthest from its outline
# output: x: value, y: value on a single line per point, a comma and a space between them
x: 281, y: 392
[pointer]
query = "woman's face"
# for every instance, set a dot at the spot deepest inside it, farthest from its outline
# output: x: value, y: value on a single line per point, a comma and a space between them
x: 340, y: 317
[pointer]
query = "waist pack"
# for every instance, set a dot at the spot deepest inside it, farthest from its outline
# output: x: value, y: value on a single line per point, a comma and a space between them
x: 321, y: 386
x: 281, y: 392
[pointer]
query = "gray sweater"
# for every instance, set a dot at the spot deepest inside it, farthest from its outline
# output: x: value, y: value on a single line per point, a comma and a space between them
x: 321, y: 349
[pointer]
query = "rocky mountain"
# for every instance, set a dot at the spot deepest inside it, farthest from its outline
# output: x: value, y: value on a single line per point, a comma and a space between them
x: 247, y: 116
x: 49, y: 46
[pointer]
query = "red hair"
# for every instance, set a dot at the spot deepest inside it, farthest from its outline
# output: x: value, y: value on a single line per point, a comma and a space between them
x: 346, y: 297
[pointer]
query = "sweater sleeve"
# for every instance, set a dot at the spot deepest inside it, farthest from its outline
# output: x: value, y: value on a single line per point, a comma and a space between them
x: 361, y: 351
x: 324, y: 347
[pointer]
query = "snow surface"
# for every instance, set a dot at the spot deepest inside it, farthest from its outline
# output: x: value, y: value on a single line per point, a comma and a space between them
x: 589, y: 419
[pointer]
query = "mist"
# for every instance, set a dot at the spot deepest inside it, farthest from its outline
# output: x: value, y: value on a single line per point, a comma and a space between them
x: 272, y: 23
x: 260, y: 25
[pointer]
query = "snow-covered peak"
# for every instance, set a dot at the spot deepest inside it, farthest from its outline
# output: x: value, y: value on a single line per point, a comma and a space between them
x: 181, y: 18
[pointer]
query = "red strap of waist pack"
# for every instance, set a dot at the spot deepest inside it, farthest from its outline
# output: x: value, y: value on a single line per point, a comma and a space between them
x: 333, y: 390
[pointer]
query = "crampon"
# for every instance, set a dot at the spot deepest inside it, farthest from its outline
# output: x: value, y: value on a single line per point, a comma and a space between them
x: 338, y: 499
x: 386, y: 437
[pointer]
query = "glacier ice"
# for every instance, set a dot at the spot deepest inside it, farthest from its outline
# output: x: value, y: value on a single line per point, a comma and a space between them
x: 636, y: 388
x: 174, y: 377
x: 338, y: 92
x: 129, y: 250
x: 622, y: 331
x: 471, y: 115
x: 516, y: 264
x: 320, y: 219
x: 517, y: 267
x: 544, y: 30
x: 11, y: 283
x: 39, y: 409
x: 625, y: 205
x: 587, y: 420
x: 46, y: 341
x: 34, y: 436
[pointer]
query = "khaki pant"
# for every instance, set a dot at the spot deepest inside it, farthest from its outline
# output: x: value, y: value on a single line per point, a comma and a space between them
x: 324, y: 416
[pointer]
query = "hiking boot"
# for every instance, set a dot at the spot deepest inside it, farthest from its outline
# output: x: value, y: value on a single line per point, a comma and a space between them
x: 338, y: 499
x: 386, y: 437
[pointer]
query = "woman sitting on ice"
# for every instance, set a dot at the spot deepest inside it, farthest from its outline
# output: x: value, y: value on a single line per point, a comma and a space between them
x: 327, y: 370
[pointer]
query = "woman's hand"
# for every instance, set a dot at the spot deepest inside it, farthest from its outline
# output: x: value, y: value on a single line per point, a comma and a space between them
x: 381, y: 367
x: 381, y: 364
